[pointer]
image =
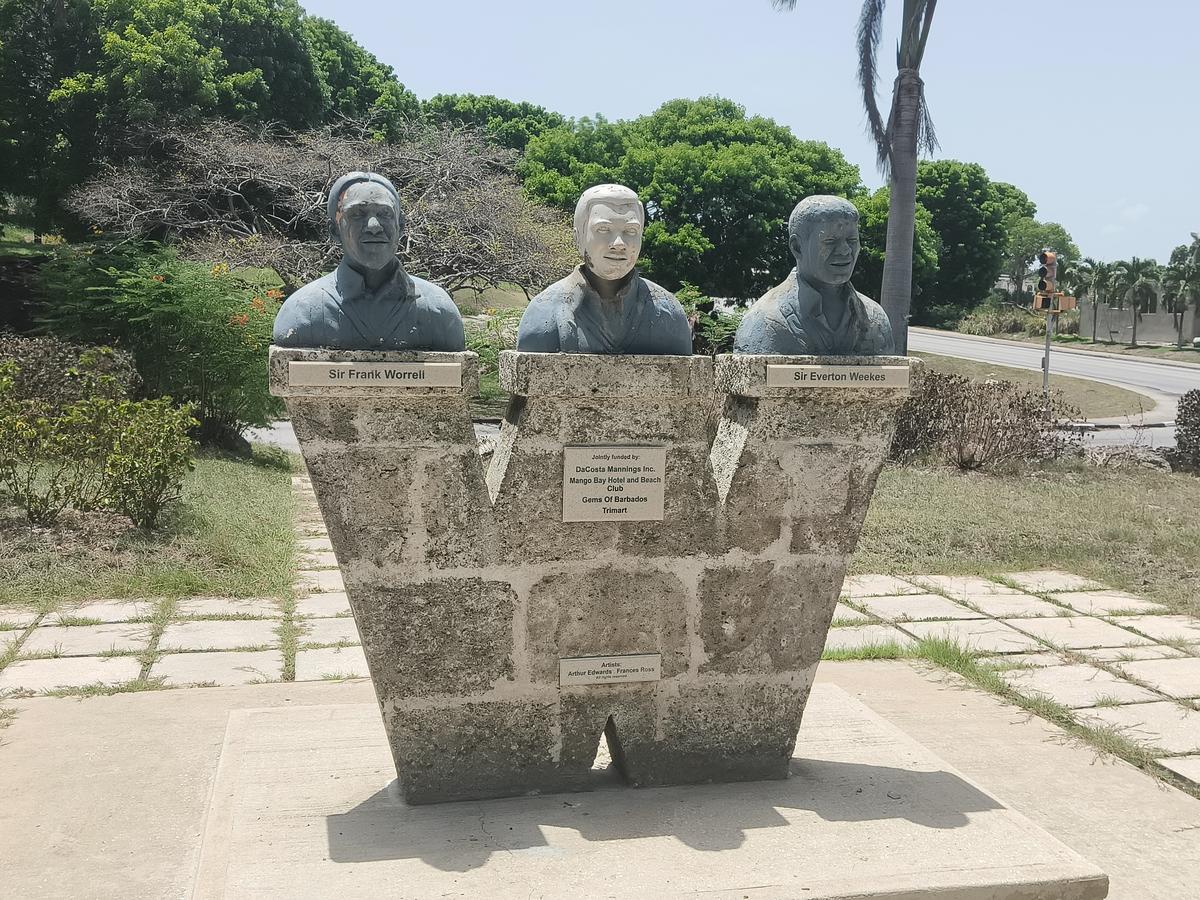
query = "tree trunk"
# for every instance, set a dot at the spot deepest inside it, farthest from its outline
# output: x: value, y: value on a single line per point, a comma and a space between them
x: 896, y: 293
x: 1095, y: 315
x: 1136, y: 312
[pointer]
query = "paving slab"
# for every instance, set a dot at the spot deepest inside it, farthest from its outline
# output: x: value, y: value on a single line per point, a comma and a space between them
x: 914, y: 607
x: 1185, y: 766
x: 68, y: 672
x: 15, y: 617
x: 987, y: 635
x: 1051, y: 580
x: 107, y: 611
x: 86, y: 640
x: 1117, y: 654
x: 321, y: 560
x: 1032, y: 660
x: 324, y: 606
x: 329, y: 662
x: 1176, y: 677
x: 1077, y: 686
x: 855, y: 637
x: 1078, y: 632
x: 963, y: 587
x: 857, y: 586
x: 219, y: 634
x: 1164, y: 724
x: 319, y: 581
x: 1105, y: 603
x: 258, y: 607
x: 328, y: 631
x: 866, y: 812
x: 1164, y: 628
x: 222, y: 668
x: 1016, y: 606
x: 844, y: 613
x: 315, y: 545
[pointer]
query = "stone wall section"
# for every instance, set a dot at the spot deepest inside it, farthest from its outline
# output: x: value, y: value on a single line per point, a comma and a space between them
x: 467, y: 586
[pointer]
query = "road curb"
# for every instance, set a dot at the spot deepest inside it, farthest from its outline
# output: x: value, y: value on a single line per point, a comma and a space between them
x: 1110, y: 426
x: 1066, y: 349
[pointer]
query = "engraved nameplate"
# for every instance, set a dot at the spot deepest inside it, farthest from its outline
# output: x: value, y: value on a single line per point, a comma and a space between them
x: 837, y: 376
x: 609, y: 669
x: 613, y: 484
x: 375, y: 374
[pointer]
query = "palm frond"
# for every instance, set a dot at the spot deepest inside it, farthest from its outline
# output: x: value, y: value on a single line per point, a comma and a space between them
x: 870, y: 30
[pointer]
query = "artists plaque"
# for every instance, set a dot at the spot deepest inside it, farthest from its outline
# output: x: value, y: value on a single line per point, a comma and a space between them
x: 613, y: 484
x: 609, y: 669
x: 375, y: 374
x: 818, y: 376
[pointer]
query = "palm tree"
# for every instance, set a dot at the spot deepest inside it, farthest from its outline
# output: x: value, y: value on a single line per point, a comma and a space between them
x: 1137, y: 279
x: 1181, y: 281
x: 908, y: 128
x: 1095, y: 278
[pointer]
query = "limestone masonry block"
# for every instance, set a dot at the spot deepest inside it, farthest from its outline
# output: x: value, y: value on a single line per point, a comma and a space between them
x: 474, y: 595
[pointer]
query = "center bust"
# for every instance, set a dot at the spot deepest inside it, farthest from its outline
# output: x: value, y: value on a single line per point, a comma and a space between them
x: 605, y: 306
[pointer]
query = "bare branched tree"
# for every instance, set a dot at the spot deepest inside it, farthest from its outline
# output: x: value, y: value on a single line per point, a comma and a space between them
x: 228, y: 193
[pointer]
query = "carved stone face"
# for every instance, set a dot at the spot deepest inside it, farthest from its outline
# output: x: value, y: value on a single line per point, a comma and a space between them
x: 828, y: 252
x: 612, y: 240
x: 368, y: 225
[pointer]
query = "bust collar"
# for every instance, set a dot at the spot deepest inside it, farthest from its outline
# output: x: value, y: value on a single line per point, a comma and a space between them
x: 588, y: 279
x: 351, y: 285
x: 808, y: 304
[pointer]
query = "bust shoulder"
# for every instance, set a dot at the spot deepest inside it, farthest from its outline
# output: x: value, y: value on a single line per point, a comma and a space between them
x: 441, y: 322
x: 764, y: 328
x: 879, y: 326
x: 304, y: 306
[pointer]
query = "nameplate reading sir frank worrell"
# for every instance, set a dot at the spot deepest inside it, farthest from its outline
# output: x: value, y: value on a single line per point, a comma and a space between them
x: 613, y: 484
x: 837, y: 376
x: 382, y: 374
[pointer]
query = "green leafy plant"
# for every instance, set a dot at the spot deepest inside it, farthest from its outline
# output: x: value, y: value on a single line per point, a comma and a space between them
x: 150, y: 455
x: 58, y: 373
x: 713, y: 330
x: 1187, y: 431
x: 496, y: 332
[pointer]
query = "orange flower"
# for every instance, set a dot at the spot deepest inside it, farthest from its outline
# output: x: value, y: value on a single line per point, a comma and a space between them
x: 158, y: 278
x: 239, y: 319
x: 275, y: 294
x: 258, y: 304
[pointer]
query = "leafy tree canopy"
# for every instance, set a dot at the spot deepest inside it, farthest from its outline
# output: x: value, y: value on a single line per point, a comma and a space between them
x: 1027, y: 238
x: 969, y: 221
x: 77, y: 74
x: 505, y: 122
x: 718, y: 187
x: 1013, y: 201
x: 872, y: 226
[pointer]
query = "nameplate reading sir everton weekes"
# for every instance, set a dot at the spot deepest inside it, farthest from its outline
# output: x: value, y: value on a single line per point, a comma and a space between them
x: 845, y: 377
x: 375, y: 374
x: 610, y: 669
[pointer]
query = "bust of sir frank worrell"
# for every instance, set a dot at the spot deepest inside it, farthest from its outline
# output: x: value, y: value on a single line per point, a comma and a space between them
x: 369, y: 302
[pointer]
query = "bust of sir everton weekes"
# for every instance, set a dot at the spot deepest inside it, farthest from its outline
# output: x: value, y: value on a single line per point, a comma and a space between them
x: 369, y: 302
x: 816, y: 311
x: 605, y: 306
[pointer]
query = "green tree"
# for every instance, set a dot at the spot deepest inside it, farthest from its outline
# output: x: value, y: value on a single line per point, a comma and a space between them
x: 1013, y: 201
x: 868, y: 274
x: 970, y: 225
x: 1181, y: 281
x: 505, y: 122
x: 355, y: 84
x: 718, y: 187
x: 1136, y: 281
x: 1094, y: 279
x: 908, y: 129
x: 1026, y: 238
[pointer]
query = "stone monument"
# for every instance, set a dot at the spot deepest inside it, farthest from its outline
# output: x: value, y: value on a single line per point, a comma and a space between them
x: 653, y: 552
x: 816, y: 310
x: 605, y: 306
x: 369, y: 302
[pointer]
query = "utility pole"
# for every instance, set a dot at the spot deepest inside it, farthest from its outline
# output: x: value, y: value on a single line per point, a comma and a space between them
x: 1049, y: 302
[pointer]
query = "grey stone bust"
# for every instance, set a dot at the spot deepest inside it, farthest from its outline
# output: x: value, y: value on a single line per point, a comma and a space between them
x: 605, y: 306
x: 369, y: 302
x: 816, y: 310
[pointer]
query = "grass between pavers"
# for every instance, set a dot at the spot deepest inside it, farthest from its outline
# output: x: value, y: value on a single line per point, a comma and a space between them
x: 1134, y: 530
x: 976, y: 669
x: 231, y: 535
x: 1094, y: 399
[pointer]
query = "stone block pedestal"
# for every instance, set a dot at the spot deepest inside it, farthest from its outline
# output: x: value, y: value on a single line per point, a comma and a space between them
x: 719, y: 572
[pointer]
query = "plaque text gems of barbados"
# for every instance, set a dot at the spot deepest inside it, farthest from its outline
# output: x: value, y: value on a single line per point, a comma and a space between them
x: 382, y: 374
x: 613, y: 484
x: 887, y: 377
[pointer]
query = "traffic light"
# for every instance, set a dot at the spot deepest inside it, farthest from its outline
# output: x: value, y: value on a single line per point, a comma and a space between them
x: 1048, y: 273
x: 1042, y: 302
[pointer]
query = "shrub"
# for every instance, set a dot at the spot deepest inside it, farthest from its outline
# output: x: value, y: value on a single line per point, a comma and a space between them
x: 151, y: 453
x: 713, y: 330
x: 974, y: 425
x: 35, y: 467
x: 198, y: 333
x: 1187, y: 430
x: 58, y: 373
x: 497, y: 331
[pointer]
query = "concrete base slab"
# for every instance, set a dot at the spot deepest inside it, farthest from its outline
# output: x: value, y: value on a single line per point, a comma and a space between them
x: 323, y: 605
x: 328, y: 631
x: 977, y: 634
x: 1078, y: 686
x: 16, y: 617
x: 1165, y: 725
x: 106, y: 611
x: 843, y: 613
x: 855, y: 637
x: 1176, y: 677
x: 86, y: 640
x: 1184, y: 766
x: 915, y: 607
x: 68, y: 672
x: 219, y: 668
x: 859, y: 586
x: 1050, y: 580
x: 331, y: 662
x: 1020, y: 606
x: 1106, y: 603
x: 1121, y: 654
x: 1164, y: 628
x: 867, y: 812
x: 255, y: 607
x: 220, y: 634
x: 1079, y: 632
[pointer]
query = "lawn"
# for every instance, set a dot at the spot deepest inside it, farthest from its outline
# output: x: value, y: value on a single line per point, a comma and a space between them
x: 231, y: 535
x: 1084, y: 342
x: 1094, y: 399
x: 1134, y: 530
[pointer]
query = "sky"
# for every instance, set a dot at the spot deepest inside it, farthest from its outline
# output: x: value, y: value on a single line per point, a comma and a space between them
x: 1092, y: 107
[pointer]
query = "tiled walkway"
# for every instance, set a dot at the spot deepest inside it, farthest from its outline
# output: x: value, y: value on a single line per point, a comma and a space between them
x: 1112, y: 657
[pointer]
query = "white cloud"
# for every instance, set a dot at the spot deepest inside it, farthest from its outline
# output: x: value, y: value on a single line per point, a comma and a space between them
x: 1135, y: 212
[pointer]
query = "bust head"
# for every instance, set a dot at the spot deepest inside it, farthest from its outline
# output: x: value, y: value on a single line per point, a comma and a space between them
x: 823, y: 235
x: 365, y: 218
x: 609, y: 220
